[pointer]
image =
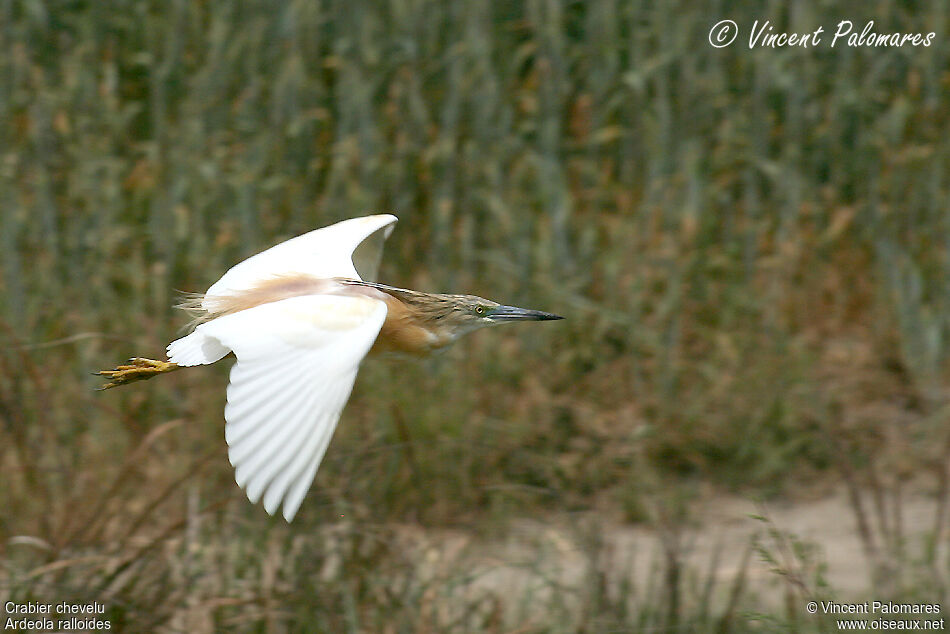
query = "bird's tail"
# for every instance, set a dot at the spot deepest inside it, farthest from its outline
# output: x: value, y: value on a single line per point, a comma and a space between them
x: 193, y: 304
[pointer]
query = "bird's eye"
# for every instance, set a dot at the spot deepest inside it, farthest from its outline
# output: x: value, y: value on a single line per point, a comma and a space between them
x: 479, y: 310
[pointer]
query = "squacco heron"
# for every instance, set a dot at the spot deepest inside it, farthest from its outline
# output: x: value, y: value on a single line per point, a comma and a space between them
x: 299, y: 318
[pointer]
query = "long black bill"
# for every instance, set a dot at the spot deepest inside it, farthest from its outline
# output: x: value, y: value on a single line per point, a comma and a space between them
x: 513, y: 313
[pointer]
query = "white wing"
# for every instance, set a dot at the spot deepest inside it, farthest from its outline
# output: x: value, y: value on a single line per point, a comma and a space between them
x: 326, y: 252
x: 297, y: 359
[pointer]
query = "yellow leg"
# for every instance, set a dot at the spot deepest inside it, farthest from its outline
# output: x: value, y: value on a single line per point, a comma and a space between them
x: 137, y: 369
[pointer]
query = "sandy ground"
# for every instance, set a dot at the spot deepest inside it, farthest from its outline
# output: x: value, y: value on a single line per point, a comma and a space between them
x: 537, y: 564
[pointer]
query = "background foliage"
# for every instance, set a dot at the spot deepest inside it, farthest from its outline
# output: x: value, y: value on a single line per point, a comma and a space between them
x: 751, y: 248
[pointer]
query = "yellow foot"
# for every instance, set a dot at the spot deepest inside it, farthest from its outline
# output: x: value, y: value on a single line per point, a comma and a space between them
x: 137, y: 369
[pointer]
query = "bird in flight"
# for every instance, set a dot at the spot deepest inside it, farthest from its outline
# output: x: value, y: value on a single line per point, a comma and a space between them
x: 300, y: 318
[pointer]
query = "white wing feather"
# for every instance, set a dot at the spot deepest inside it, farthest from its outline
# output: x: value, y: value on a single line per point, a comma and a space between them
x: 326, y: 252
x: 297, y: 358
x: 296, y: 363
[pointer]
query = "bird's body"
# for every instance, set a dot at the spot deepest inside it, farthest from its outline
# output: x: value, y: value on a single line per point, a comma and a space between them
x: 300, y: 319
x: 415, y: 322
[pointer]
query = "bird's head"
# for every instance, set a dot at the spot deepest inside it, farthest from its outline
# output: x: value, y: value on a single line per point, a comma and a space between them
x: 448, y: 317
x: 461, y: 314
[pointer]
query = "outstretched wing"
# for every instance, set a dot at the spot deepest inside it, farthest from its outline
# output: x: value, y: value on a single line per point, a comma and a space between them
x: 322, y: 253
x: 297, y: 360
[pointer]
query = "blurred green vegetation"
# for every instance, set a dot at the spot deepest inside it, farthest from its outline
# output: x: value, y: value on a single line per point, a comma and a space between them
x: 751, y: 248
